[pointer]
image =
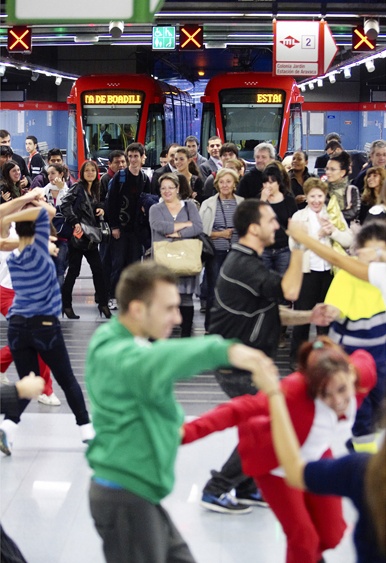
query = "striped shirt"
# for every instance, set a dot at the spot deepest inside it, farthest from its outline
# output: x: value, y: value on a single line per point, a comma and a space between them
x: 224, y: 220
x: 34, y: 277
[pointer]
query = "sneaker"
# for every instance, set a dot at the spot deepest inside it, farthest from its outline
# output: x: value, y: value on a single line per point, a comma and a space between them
x: 5, y: 447
x: 253, y: 499
x: 112, y: 304
x: 4, y: 379
x: 87, y: 432
x: 224, y: 504
x: 50, y: 400
x: 8, y: 431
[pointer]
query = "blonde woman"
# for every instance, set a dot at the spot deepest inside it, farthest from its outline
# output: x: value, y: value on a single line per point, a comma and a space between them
x: 317, y: 274
x: 217, y: 219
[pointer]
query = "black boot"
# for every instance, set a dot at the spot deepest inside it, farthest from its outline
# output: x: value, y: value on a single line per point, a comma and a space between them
x: 187, y: 321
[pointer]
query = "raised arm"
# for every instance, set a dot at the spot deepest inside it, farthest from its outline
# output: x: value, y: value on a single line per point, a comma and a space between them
x: 285, y: 441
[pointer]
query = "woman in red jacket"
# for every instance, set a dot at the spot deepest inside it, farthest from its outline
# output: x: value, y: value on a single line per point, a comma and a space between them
x: 322, y: 399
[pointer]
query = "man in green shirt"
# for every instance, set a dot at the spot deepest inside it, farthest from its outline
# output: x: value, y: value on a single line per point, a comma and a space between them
x: 130, y: 382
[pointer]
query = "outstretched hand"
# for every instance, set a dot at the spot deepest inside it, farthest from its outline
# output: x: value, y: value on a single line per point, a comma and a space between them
x: 30, y: 386
x: 265, y: 376
x: 323, y: 314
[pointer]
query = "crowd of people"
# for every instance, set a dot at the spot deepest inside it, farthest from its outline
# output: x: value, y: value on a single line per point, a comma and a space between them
x: 282, y: 245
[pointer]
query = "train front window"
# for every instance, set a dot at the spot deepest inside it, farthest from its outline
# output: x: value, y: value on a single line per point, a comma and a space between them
x: 110, y: 120
x: 252, y: 116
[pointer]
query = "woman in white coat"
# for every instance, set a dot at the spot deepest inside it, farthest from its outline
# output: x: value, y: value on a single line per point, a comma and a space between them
x: 317, y: 274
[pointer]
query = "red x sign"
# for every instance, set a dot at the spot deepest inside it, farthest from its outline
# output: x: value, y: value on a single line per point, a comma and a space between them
x: 360, y: 41
x: 191, y: 38
x: 19, y: 39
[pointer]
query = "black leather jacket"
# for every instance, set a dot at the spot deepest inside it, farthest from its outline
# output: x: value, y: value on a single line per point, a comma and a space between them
x: 78, y: 207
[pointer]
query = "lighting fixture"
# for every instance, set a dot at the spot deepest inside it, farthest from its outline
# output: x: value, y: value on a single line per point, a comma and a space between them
x: 58, y: 80
x: 371, y: 28
x: 311, y: 86
x: 2, y: 70
x: 201, y: 73
x: 34, y: 76
x: 303, y: 88
x: 370, y: 66
x: 332, y: 78
x: 320, y: 83
x: 116, y: 29
x: 347, y: 72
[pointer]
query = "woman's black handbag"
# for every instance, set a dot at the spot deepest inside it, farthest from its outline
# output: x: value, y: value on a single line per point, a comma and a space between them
x: 208, y: 249
x: 90, y: 238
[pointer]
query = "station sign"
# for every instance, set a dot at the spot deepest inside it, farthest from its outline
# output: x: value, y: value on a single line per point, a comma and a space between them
x: 164, y: 38
x: 73, y: 11
x: 191, y: 37
x: 115, y: 98
x: 360, y: 42
x: 302, y: 48
x: 19, y: 39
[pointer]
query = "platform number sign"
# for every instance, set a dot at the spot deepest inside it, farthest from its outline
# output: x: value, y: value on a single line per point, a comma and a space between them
x: 191, y: 37
x: 360, y: 41
x: 19, y: 39
x: 164, y: 38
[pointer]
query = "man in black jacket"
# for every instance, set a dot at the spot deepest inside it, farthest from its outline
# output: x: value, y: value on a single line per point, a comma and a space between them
x: 251, y: 183
x: 123, y: 212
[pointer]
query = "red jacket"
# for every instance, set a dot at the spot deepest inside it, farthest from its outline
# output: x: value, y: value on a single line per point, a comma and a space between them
x: 251, y: 414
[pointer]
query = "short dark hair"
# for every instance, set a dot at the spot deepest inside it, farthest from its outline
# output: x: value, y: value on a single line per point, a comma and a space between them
x: 5, y: 150
x: 25, y: 228
x: 54, y: 152
x: 332, y: 136
x: 137, y: 147
x: 32, y: 138
x: 192, y: 139
x: 229, y: 147
x: 272, y: 171
x: 248, y: 213
x: 115, y: 154
x: 344, y: 161
x: 138, y: 281
x: 372, y: 229
x: 163, y: 154
x: 333, y: 145
x: 4, y: 133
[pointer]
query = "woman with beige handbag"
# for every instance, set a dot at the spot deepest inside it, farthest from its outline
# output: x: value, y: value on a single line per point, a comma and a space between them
x: 174, y: 225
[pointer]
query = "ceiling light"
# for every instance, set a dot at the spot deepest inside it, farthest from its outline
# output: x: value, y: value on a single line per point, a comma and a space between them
x: 34, y: 76
x: 2, y: 70
x: 85, y: 38
x: 58, y: 80
x: 332, y: 78
x: 303, y: 88
x: 311, y: 86
x: 201, y: 73
x: 347, y: 72
x: 370, y: 66
x: 371, y: 28
x: 116, y: 29
x: 320, y: 83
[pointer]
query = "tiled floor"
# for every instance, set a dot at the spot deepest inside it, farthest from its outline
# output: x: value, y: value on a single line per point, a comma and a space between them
x: 44, y: 483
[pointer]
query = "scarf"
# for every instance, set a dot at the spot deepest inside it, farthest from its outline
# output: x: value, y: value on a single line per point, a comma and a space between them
x: 338, y: 189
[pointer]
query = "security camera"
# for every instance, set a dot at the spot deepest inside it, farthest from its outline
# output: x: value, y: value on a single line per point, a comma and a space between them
x: 116, y: 29
x: 371, y: 28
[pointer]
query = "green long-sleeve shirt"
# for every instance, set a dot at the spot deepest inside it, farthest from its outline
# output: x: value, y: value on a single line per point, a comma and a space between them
x: 137, y: 420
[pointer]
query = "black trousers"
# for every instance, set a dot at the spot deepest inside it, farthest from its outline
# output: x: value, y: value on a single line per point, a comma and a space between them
x: 234, y: 383
x: 92, y: 256
x: 134, y: 530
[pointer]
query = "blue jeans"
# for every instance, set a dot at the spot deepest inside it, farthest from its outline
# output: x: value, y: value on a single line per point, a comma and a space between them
x: 61, y: 260
x: 28, y: 337
x: 276, y: 259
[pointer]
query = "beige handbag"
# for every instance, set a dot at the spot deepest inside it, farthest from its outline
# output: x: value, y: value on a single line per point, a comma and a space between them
x: 183, y: 257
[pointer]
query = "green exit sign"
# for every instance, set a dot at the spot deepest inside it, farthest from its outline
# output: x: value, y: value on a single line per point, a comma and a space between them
x: 164, y: 38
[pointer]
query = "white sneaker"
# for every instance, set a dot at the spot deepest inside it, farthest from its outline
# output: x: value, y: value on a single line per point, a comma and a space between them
x: 112, y: 304
x: 87, y: 432
x: 50, y: 400
x: 7, y: 433
x: 4, y: 379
